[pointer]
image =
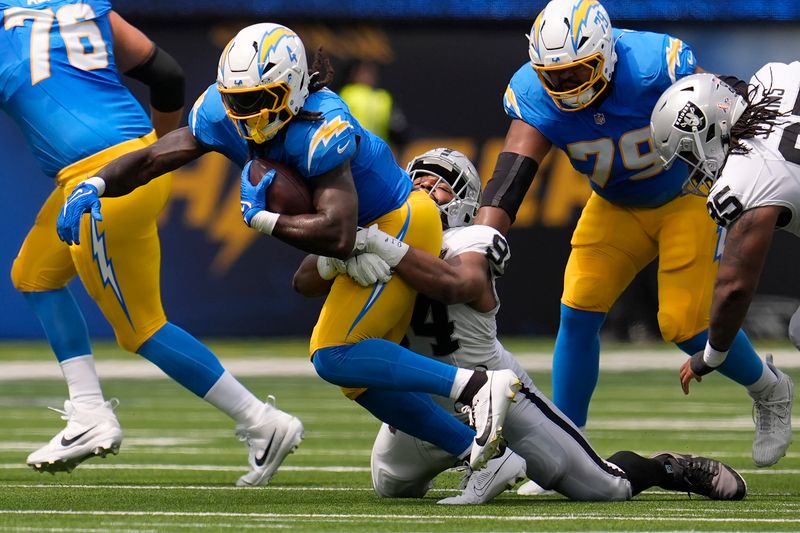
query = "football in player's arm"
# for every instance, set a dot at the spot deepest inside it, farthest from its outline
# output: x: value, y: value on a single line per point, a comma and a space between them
x: 740, y: 143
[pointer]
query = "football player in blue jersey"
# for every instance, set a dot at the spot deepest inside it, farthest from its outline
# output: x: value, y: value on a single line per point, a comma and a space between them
x: 266, y: 103
x: 589, y: 90
x: 59, y: 80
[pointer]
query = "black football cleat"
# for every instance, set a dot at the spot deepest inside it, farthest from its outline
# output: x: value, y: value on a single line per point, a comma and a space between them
x: 701, y: 475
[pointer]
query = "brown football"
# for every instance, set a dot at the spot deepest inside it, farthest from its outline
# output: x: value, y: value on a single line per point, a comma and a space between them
x: 288, y: 193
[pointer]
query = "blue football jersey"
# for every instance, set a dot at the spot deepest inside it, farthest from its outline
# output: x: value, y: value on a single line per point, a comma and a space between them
x: 59, y: 83
x: 314, y: 148
x: 611, y: 142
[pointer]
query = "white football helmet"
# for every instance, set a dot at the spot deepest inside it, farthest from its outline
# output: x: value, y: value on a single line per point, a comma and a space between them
x: 573, y: 34
x: 263, y: 79
x: 455, y: 168
x: 692, y: 122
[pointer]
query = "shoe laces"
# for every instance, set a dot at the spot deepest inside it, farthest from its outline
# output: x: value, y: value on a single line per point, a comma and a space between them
x: 766, y: 413
x: 467, y: 410
x: 70, y: 410
x: 243, y: 433
x: 467, y: 474
x: 699, y: 472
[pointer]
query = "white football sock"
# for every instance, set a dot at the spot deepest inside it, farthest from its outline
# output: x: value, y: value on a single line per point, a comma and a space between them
x: 82, y: 382
x: 762, y: 384
x: 233, y: 399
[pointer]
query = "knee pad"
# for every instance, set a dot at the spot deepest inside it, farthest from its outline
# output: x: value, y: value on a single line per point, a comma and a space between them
x: 388, y: 484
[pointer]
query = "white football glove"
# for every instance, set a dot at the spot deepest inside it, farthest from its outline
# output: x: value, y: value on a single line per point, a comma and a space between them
x: 373, y: 240
x: 330, y: 267
x: 368, y: 269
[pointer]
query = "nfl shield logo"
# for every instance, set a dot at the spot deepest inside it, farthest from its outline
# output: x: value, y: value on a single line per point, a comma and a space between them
x: 599, y: 119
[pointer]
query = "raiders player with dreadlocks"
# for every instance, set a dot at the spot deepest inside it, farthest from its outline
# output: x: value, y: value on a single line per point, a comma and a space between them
x: 740, y: 142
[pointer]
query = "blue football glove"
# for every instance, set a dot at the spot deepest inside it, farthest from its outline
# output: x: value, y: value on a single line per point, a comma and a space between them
x: 84, y: 198
x: 254, y: 197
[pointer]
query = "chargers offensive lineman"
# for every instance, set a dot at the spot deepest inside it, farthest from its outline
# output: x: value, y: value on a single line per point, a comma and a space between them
x: 266, y: 103
x: 740, y: 142
x: 60, y: 64
x: 589, y: 90
x: 454, y: 321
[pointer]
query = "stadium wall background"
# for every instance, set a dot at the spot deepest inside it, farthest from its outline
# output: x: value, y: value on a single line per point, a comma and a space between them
x: 449, y: 79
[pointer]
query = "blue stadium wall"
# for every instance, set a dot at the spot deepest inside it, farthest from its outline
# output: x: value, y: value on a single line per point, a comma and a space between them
x: 448, y: 75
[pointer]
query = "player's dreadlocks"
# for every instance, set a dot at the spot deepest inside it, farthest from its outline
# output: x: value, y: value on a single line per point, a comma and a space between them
x: 321, y: 77
x: 758, y: 118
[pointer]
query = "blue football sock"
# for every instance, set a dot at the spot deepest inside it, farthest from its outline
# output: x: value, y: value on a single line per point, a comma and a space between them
x: 418, y: 415
x: 380, y: 364
x: 62, y: 321
x: 576, y: 362
x: 183, y: 358
x: 743, y: 365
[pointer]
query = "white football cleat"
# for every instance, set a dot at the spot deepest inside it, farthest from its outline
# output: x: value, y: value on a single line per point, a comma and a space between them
x: 772, y: 413
x: 487, y: 413
x: 531, y: 488
x: 91, y: 431
x: 277, y: 435
x: 481, y: 486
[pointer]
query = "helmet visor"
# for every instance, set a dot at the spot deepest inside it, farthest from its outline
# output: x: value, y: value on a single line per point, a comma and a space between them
x: 250, y: 102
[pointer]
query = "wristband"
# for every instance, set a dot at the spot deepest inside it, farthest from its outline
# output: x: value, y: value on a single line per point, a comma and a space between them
x: 98, y: 183
x: 264, y: 221
x: 713, y: 357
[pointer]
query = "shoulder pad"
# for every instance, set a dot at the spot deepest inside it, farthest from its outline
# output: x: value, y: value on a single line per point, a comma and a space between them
x: 323, y: 144
x: 481, y: 239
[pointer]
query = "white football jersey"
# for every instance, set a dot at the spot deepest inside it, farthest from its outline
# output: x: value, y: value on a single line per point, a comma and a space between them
x: 770, y: 173
x: 458, y: 334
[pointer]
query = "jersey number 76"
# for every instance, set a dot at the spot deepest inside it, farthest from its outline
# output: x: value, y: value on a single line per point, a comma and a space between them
x: 84, y: 43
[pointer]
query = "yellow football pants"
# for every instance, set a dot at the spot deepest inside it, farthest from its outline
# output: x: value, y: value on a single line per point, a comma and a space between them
x: 352, y: 313
x: 611, y: 244
x: 119, y: 257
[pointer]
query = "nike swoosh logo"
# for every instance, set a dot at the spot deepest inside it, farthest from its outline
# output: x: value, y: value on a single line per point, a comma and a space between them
x: 263, y: 459
x: 481, y: 441
x: 342, y: 148
x: 67, y: 442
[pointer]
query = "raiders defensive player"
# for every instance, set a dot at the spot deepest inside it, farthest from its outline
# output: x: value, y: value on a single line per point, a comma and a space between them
x: 454, y: 320
x: 742, y: 143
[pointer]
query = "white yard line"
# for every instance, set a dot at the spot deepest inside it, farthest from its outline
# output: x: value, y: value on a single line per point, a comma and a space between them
x: 627, y: 360
x: 370, y: 517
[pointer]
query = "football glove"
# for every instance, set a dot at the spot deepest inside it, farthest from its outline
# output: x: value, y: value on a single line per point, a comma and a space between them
x: 83, y: 198
x: 254, y: 197
x: 330, y: 267
x: 368, y: 269
x: 373, y: 240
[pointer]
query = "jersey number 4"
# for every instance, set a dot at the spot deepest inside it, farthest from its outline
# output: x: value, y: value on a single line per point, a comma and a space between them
x: 84, y: 43
x: 430, y: 319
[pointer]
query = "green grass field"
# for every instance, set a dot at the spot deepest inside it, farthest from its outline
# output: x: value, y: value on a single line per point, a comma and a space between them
x: 179, y: 462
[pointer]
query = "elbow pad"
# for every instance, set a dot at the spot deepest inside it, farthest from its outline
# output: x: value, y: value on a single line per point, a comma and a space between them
x: 165, y: 78
x: 512, y: 177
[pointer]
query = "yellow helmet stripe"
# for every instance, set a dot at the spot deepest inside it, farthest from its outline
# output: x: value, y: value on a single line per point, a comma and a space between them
x: 536, y: 28
x: 579, y: 18
x: 270, y: 41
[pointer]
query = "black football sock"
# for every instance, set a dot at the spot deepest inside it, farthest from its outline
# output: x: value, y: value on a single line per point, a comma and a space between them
x: 476, y: 381
x: 642, y: 472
